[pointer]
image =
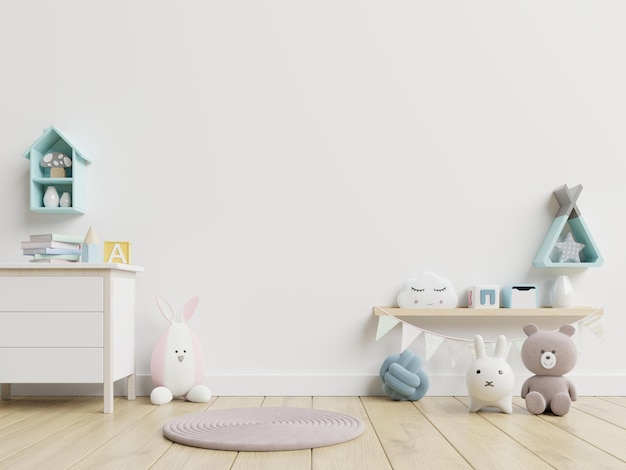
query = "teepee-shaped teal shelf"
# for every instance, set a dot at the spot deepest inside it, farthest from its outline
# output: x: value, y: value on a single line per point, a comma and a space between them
x: 568, y: 243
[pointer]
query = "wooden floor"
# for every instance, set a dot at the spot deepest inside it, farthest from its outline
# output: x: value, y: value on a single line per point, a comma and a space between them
x: 435, y: 432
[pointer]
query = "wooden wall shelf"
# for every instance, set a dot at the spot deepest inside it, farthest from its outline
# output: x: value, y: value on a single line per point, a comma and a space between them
x: 547, y: 312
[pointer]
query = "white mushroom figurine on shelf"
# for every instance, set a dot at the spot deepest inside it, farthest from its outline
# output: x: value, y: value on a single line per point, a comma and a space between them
x: 57, y: 162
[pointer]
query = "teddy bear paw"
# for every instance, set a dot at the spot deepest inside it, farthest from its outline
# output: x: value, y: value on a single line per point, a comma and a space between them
x: 560, y: 404
x: 535, y: 403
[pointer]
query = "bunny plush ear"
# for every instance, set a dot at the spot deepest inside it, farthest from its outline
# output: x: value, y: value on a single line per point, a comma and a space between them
x: 479, y: 346
x: 501, y: 347
x: 166, y: 309
x: 190, y: 307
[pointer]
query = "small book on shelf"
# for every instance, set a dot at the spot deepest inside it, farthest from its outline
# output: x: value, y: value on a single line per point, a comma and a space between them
x: 51, y: 251
x: 50, y: 244
x: 52, y: 260
x: 63, y: 257
x: 57, y: 237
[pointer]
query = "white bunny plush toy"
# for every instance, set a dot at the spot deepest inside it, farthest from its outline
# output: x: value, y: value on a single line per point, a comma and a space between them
x: 177, y: 364
x: 490, y: 379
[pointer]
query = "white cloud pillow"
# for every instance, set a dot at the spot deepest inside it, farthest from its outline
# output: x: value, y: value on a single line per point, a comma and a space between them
x: 427, y: 290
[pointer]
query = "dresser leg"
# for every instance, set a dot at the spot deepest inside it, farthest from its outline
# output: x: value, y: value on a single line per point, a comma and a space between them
x: 6, y: 391
x: 130, y: 386
x: 108, y: 398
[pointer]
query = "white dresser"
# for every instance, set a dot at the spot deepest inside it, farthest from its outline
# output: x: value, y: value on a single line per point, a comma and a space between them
x: 68, y: 323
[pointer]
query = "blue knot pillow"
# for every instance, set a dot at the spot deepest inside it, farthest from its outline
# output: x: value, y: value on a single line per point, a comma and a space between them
x: 403, y: 378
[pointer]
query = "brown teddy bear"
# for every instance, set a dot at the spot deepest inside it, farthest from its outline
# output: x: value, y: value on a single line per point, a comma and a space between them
x: 549, y: 355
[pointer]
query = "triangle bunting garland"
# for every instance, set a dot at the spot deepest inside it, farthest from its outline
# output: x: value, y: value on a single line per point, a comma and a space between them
x: 594, y: 323
x: 432, y: 344
x: 576, y: 338
x: 518, y: 344
x: 472, y: 348
x: 409, y: 334
x: 456, y: 346
x: 508, y: 349
x: 385, y: 325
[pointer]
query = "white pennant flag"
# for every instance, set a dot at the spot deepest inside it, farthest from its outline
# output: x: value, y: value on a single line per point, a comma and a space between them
x: 508, y: 349
x: 432, y: 343
x: 409, y: 333
x: 455, y: 348
x: 576, y: 338
x: 594, y: 323
x: 385, y: 325
x: 472, y: 347
x: 518, y: 344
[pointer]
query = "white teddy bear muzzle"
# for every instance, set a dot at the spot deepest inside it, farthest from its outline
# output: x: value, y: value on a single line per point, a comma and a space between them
x: 548, y: 359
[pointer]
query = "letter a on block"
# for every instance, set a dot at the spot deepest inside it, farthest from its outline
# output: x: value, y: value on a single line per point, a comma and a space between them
x: 117, y: 252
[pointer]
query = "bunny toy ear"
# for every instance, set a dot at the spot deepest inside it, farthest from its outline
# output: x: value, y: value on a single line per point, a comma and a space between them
x: 168, y: 312
x: 501, y: 347
x: 190, y: 307
x: 479, y: 346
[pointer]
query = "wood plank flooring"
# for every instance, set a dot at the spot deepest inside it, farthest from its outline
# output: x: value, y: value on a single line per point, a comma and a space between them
x: 435, y: 432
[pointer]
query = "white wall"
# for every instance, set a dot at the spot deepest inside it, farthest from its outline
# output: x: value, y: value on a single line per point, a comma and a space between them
x: 293, y: 163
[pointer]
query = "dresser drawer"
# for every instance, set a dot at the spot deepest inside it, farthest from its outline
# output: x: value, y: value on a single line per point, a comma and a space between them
x: 51, y: 365
x: 51, y: 329
x: 51, y: 294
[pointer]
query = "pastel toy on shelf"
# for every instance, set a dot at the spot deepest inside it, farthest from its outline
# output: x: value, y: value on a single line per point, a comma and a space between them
x: 568, y: 243
x: 65, y: 200
x: 520, y: 296
x: 483, y: 296
x: 177, y: 363
x: 570, y: 249
x: 403, y: 377
x: 549, y: 355
x: 490, y: 379
x: 91, y: 249
x: 427, y: 290
x: 562, y: 293
x: 117, y: 252
x: 51, y: 197
x: 57, y: 162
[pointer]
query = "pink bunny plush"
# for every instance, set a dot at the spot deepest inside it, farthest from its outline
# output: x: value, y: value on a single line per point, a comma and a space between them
x: 177, y: 364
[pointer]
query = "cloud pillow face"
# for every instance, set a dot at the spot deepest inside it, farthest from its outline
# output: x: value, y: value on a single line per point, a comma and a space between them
x: 427, y: 290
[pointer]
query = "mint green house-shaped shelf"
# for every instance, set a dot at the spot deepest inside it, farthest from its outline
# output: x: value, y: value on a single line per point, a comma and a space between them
x: 40, y: 178
x: 568, y: 220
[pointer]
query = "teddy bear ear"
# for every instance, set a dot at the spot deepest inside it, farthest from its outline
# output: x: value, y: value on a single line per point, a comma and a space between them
x: 569, y: 330
x: 531, y: 329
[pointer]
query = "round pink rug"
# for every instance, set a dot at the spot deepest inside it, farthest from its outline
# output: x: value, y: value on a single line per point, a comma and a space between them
x: 263, y: 429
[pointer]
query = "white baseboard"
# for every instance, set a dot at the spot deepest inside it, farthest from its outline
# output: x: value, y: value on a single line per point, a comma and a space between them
x: 315, y: 385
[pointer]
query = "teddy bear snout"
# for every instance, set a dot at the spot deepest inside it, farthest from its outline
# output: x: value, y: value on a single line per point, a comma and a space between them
x: 489, y: 383
x: 548, y: 360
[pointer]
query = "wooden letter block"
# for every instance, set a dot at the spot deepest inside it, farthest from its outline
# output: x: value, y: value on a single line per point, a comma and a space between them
x: 483, y: 296
x: 117, y: 252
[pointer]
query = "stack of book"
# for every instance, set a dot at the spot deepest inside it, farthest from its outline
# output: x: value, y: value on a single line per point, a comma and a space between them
x: 53, y: 248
